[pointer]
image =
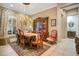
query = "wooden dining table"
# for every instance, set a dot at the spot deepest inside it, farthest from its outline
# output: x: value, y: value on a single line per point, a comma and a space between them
x: 29, y: 35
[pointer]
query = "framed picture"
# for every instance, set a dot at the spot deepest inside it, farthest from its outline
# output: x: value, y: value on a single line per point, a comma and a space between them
x: 53, y: 22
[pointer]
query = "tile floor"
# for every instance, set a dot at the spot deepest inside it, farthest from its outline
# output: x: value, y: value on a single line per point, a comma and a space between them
x: 64, y: 48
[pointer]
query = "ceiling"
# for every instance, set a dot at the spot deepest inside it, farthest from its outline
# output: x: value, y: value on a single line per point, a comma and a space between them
x: 30, y: 9
x: 70, y: 6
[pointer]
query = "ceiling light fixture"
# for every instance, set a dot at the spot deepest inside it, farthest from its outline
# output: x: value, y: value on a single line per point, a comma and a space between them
x: 26, y: 3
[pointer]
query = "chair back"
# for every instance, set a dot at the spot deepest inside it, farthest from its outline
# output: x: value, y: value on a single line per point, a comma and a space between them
x: 40, y: 38
x: 54, y: 34
x: 21, y: 35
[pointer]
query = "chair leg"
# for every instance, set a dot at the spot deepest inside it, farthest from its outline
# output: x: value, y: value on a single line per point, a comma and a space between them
x: 18, y: 42
x: 37, y: 48
x: 30, y: 45
x: 23, y: 45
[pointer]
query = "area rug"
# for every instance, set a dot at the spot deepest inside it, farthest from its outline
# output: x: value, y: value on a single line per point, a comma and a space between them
x: 28, y: 52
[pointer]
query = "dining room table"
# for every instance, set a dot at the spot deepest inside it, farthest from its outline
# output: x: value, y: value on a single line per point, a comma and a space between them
x: 30, y: 35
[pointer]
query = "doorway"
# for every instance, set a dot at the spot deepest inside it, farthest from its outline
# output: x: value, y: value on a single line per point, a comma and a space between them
x: 69, y: 16
x: 70, y: 22
x: 72, y: 26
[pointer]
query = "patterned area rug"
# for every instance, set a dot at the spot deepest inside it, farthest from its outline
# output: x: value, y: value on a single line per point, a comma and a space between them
x: 28, y: 52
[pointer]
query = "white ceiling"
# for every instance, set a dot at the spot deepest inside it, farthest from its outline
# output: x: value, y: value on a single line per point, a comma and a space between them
x: 28, y: 9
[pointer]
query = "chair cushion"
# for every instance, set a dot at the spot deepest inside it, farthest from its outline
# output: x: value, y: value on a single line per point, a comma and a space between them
x: 50, y: 39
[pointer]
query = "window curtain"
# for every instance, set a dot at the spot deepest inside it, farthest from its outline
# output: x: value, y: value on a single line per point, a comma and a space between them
x: 4, y: 22
x: 0, y: 20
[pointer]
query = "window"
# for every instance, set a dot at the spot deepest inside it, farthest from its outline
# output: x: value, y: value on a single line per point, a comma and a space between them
x: 11, y: 27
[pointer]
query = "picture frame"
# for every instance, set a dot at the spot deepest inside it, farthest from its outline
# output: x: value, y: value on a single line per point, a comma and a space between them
x: 53, y: 22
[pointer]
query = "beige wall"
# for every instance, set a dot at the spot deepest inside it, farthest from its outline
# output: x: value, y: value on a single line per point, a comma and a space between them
x: 1, y: 22
x: 51, y: 13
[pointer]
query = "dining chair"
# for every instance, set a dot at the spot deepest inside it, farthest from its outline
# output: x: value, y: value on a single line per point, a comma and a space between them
x: 17, y: 36
x: 22, y: 39
x: 38, y: 42
x: 27, y: 40
x: 53, y: 37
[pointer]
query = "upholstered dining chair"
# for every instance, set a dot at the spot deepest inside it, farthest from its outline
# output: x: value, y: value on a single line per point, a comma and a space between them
x: 53, y: 37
